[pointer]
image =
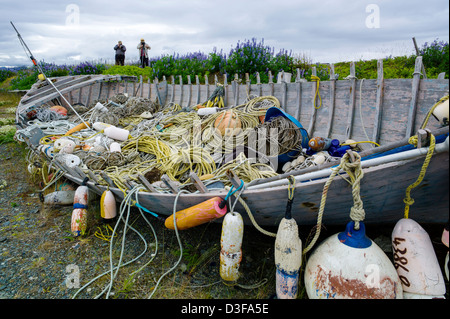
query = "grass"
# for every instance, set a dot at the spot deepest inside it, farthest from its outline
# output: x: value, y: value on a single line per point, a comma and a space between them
x: 8, y: 104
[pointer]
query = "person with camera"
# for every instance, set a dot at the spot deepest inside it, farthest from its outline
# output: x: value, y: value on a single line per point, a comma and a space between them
x: 143, y: 53
x: 120, y: 53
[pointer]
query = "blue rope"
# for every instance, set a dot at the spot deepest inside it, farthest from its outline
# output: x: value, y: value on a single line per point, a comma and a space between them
x: 231, y: 192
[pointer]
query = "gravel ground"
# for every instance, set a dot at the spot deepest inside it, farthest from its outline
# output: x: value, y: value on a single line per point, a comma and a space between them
x: 39, y: 258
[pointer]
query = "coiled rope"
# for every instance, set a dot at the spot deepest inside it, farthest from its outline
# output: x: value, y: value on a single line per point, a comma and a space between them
x: 357, y: 214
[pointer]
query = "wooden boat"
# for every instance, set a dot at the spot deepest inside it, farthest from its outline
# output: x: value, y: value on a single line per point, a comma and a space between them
x: 385, y: 111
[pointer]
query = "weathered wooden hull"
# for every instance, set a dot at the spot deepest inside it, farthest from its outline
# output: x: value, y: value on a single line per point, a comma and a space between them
x: 383, y: 110
x: 382, y: 192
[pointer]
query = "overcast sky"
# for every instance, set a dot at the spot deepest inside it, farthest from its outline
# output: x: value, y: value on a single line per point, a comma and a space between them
x: 72, y: 31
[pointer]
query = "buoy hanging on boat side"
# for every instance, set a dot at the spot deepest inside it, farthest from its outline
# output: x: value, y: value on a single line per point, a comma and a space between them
x: 441, y: 112
x: 199, y: 214
x: 349, y: 265
x: 79, y: 213
x: 288, y: 252
x: 108, y: 209
x: 231, y: 247
x: 416, y: 261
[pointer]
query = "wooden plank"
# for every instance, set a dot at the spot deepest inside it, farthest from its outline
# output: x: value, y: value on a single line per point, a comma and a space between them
x: 298, y: 103
x: 172, y: 97
x: 236, y: 89
x: 351, y: 110
x: 332, y: 101
x: 258, y: 84
x: 197, y: 83
x: 414, y: 97
x: 313, y: 109
x: 283, y: 92
x: 379, y: 102
x: 88, y: 98
x: 207, y: 87
x: 225, y: 88
x: 271, y: 84
x: 189, y: 91
x: 198, y: 183
x: 181, y: 89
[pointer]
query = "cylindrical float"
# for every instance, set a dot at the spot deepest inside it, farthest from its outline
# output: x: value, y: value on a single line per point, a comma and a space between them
x: 100, y: 126
x: 288, y: 259
x: 199, y: 214
x: 288, y: 252
x: 416, y: 261
x: 207, y: 111
x: 116, y: 133
x: 349, y: 265
x: 231, y: 243
x: 63, y: 197
x: 108, y: 205
x: 79, y: 213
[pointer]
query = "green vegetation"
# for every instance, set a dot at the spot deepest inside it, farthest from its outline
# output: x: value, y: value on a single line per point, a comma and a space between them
x: 250, y: 56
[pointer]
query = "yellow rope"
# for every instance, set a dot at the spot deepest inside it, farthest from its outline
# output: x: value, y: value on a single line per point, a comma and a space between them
x: 408, y: 200
x: 347, y: 144
x: 425, y: 121
x: 356, y: 213
x: 317, y: 79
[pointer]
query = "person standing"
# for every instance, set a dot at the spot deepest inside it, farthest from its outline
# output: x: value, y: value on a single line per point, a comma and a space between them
x: 143, y: 53
x: 120, y: 53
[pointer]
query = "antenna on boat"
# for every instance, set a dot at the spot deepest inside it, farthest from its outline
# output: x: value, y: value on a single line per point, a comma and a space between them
x: 28, y: 52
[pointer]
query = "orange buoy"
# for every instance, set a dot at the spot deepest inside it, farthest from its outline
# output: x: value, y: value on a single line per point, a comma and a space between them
x: 228, y: 123
x: 59, y: 109
x: 77, y: 128
x: 199, y: 214
x: 79, y: 213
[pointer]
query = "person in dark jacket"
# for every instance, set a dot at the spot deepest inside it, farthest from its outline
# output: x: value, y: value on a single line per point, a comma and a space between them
x: 120, y: 53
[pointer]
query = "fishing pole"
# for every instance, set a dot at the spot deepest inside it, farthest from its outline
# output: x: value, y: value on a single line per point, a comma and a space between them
x: 28, y: 52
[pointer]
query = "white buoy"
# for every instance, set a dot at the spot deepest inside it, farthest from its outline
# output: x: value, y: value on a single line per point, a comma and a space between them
x: 100, y: 126
x: 114, y: 147
x: 415, y: 260
x: 349, y: 265
x: 108, y: 205
x: 231, y: 242
x: 288, y: 259
x: 207, y: 111
x: 59, y: 198
x: 288, y: 251
x: 116, y: 133
x: 61, y: 142
x: 441, y: 113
